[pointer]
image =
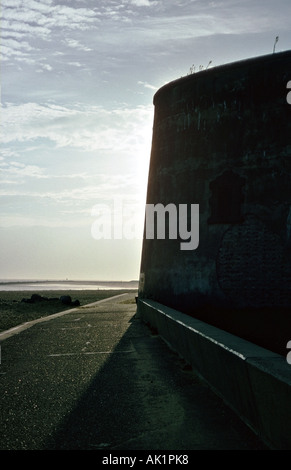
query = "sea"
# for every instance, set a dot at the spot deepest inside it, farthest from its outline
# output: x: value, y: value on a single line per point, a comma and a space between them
x: 47, y: 285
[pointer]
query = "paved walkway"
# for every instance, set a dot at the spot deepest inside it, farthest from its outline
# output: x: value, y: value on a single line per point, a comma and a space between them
x: 97, y: 378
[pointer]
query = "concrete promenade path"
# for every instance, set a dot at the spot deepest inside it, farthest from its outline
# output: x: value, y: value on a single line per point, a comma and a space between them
x: 96, y: 378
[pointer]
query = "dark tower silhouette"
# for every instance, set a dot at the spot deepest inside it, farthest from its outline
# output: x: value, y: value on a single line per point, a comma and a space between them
x: 222, y: 139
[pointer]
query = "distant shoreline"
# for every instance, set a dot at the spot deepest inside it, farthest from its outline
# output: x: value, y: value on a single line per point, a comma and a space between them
x: 12, y: 285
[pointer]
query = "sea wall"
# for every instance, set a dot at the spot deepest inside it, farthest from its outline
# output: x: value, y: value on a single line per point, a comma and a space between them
x: 254, y: 382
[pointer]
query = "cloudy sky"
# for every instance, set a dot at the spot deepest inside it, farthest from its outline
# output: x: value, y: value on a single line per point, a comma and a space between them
x: 77, y: 82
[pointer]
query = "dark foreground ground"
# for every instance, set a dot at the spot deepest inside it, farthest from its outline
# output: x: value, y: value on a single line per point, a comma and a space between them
x: 98, y: 379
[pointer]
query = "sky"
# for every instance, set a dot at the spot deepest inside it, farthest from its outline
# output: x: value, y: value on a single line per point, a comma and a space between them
x: 77, y: 84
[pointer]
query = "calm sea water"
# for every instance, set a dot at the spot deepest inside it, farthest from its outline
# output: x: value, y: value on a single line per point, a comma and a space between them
x: 66, y: 285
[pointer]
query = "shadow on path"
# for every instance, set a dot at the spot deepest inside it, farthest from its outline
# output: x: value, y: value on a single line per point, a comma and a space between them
x: 145, y: 397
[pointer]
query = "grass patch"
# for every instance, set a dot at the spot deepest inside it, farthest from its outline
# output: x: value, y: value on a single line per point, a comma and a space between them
x: 14, y: 312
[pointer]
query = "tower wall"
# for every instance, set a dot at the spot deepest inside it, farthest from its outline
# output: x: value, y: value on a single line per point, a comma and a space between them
x: 222, y: 139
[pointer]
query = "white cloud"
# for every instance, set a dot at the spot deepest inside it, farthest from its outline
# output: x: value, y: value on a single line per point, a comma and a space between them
x: 40, y: 20
x: 143, y: 3
x: 19, y: 170
x: 19, y: 26
x: 75, y: 64
x: 86, y: 127
x: 47, y: 67
x: 56, y: 185
x: 75, y: 44
x: 13, y: 44
x: 147, y: 85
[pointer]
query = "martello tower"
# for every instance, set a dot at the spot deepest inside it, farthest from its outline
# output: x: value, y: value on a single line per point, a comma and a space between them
x: 222, y: 139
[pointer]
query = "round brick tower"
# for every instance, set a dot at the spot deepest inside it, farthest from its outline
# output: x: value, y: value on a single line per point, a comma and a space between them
x: 222, y: 139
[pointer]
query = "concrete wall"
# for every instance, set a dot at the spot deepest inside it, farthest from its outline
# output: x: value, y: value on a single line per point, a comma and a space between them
x: 222, y: 139
x: 253, y: 381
